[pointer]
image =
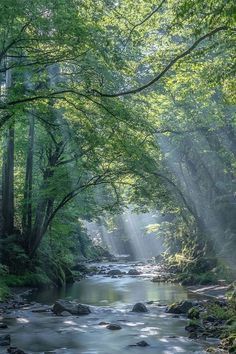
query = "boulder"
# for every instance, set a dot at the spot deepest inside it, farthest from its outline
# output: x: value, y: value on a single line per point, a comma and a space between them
x: 5, y: 340
x: 181, y: 307
x: 113, y: 327
x: 61, y: 306
x: 143, y: 343
x: 3, y: 326
x: 114, y: 272
x: 193, y: 327
x: 133, y: 272
x: 139, y: 307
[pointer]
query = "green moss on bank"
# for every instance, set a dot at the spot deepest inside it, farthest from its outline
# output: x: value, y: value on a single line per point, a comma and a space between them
x: 4, y: 290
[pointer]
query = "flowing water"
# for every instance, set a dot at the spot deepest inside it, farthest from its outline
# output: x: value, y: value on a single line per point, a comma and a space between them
x: 110, y: 300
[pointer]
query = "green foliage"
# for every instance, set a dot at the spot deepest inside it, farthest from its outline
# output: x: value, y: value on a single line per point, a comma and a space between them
x: 4, y: 290
x: 198, y: 278
x: 168, y: 147
x: 14, y: 256
x: 221, y: 313
x: 193, y: 313
x: 35, y: 279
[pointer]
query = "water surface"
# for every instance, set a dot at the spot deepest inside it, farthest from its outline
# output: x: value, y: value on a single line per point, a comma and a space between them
x: 110, y: 300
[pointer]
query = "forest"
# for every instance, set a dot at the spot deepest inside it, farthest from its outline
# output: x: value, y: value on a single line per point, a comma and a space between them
x: 111, y: 113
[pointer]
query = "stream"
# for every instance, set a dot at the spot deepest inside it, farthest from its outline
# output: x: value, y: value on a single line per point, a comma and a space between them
x: 110, y: 300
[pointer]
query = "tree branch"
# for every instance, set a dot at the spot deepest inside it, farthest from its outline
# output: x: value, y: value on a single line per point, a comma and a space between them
x: 146, y: 18
x: 167, y: 68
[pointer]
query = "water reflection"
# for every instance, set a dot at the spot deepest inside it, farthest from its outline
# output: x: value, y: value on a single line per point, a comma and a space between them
x: 101, y: 291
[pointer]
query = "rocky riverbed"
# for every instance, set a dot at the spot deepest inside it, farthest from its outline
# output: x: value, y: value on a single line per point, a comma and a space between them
x: 118, y: 308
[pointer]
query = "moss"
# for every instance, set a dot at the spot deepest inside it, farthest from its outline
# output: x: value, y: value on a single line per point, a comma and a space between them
x: 219, y: 312
x: 207, y: 278
x: 198, y: 279
x: 194, y: 322
x: 28, y: 279
x: 194, y: 313
x: 4, y: 290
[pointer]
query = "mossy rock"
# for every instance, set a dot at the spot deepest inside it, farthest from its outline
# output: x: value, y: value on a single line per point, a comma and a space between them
x: 194, y: 313
x: 181, y: 307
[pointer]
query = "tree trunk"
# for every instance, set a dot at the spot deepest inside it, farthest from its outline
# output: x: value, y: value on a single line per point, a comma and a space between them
x: 8, y: 184
x: 27, y: 211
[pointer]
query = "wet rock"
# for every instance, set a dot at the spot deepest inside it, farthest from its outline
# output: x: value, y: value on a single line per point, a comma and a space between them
x: 139, y: 307
x: 103, y: 323
x: 71, y: 307
x: 5, y: 340
x: 113, y: 327
x: 193, y: 335
x: 3, y: 326
x: 193, y: 327
x: 14, y: 350
x: 150, y: 302
x: 133, y: 272
x: 178, y: 308
x: 143, y: 343
x: 114, y: 272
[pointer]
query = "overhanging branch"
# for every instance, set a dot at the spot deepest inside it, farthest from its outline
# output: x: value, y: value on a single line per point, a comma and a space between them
x: 166, y: 69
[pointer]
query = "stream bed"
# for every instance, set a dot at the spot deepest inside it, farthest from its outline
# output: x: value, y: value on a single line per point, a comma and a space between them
x: 110, y: 300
